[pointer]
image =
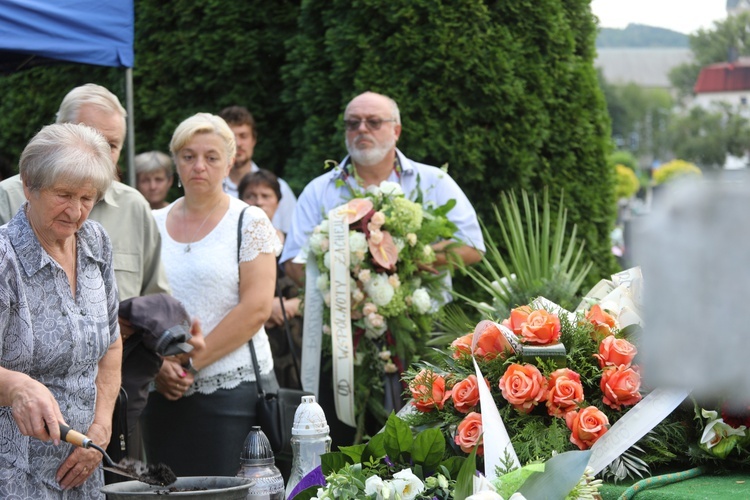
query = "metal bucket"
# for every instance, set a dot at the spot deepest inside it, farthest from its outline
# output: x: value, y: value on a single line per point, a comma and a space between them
x: 219, y: 487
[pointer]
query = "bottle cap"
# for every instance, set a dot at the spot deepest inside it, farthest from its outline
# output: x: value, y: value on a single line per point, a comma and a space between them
x: 257, y: 449
x: 309, y: 419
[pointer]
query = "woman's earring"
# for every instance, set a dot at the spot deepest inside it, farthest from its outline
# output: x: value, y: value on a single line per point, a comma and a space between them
x: 179, y: 182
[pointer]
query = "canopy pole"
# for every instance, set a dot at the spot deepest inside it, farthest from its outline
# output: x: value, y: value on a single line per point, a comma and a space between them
x: 131, y: 125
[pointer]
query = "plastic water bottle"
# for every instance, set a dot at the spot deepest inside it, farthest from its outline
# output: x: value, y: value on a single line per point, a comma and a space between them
x: 310, y: 439
x: 257, y: 463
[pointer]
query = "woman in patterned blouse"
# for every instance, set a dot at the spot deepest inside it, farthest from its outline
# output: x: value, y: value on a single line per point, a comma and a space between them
x: 60, y: 347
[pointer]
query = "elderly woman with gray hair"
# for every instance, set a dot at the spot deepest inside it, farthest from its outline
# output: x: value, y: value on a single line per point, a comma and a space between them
x: 228, y: 285
x: 60, y: 348
x: 154, y: 174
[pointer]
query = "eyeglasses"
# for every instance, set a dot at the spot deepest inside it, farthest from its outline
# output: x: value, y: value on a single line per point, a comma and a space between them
x: 370, y: 123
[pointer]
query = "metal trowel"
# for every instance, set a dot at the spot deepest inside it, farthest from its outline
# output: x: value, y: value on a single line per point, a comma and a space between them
x: 159, y: 475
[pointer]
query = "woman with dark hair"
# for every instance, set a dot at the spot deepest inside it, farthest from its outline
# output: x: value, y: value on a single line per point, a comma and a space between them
x: 261, y: 188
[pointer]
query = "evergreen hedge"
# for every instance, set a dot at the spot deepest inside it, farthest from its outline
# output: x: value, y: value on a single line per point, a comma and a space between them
x: 503, y: 92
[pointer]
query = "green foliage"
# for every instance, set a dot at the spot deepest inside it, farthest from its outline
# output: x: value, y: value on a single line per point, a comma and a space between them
x: 505, y: 93
x: 706, y: 136
x: 543, y: 258
x: 621, y: 157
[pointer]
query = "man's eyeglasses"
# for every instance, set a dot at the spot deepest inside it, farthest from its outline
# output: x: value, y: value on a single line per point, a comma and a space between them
x: 370, y: 123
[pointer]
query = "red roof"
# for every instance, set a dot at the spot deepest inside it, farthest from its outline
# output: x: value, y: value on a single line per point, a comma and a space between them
x: 724, y: 77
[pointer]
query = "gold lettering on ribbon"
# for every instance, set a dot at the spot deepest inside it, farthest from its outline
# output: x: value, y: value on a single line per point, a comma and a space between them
x: 341, y: 322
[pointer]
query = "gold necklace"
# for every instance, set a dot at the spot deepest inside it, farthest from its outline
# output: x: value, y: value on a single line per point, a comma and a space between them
x: 184, y: 215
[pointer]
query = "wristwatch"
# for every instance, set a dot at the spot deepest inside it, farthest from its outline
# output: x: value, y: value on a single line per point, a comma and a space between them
x: 190, y: 368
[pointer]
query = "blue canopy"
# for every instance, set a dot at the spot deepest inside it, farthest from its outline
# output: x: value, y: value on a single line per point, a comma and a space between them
x: 98, y: 32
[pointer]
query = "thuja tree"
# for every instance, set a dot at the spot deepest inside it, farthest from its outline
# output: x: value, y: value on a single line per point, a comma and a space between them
x: 504, y: 93
x: 189, y: 57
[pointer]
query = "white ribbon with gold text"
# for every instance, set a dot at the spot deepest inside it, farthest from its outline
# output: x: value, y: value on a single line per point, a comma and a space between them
x: 341, y: 321
x: 312, y: 328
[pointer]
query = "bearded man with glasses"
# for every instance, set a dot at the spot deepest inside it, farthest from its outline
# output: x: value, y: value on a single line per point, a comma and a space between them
x: 373, y: 126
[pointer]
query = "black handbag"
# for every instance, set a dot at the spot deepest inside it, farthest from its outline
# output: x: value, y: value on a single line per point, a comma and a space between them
x: 274, y: 411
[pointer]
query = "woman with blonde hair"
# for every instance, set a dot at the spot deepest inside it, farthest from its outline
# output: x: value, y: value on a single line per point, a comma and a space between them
x: 203, y: 407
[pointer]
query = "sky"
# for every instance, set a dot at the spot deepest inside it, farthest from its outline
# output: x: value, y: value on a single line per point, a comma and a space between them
x: 684, y: 16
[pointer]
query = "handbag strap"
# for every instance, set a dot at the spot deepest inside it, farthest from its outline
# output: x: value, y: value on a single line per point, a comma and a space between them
x: 287, y: 330
x: 250, y: 342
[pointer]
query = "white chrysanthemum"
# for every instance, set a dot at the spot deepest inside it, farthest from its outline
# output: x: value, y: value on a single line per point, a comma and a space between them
x: 408, y: 486
x: 357, y: 242
x: 322, y: 283
x: 379, y: 290
x: 391, y: 189
x: 421, y: 301
x: 319, y: 243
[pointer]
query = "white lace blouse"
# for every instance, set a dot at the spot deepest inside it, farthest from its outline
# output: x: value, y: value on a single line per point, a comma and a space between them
x: 206, y: 281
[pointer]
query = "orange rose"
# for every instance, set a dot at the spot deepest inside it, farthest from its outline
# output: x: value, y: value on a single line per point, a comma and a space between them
x: 615, y: 352
x: 428, y: 391
x: 541, y: 327
x: 518, y: 317
x: 491, y: 341
x: 620, y: 386
x: 586, y: 426
x: 462, y: 345
x: 602, y: 321
x: 523, y: 386
x: 565, y: 392
x: 466, y: 394
x: 469, y: 434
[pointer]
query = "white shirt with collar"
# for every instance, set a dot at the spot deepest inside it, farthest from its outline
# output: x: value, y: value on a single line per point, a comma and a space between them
x: 282, y: 219
x: 325, y: 193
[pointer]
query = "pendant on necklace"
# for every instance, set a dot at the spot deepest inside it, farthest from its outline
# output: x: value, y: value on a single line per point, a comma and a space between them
x: 187, y: 248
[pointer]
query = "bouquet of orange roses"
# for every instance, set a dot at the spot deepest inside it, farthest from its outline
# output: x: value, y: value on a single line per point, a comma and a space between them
x: 558, y: 379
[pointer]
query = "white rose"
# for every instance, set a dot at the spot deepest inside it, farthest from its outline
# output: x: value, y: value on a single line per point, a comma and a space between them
x: 411, y: 238
x: 428, y: 252
x: 369, y: 308
x: 327, y: 260
x: 375, y: 320
x: 316, y: 243
x: 391, y: 189
x: 373, y: 190
x: 385, y: 355
x: 364, y: 275
x: 379, y: 290
x: 407, y: 484
x: 421, y: 301
x: 374, y: 486
x: 357, y: 295
x: 324, y: 226
x: 378, y: 218
x: 389, y: 367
